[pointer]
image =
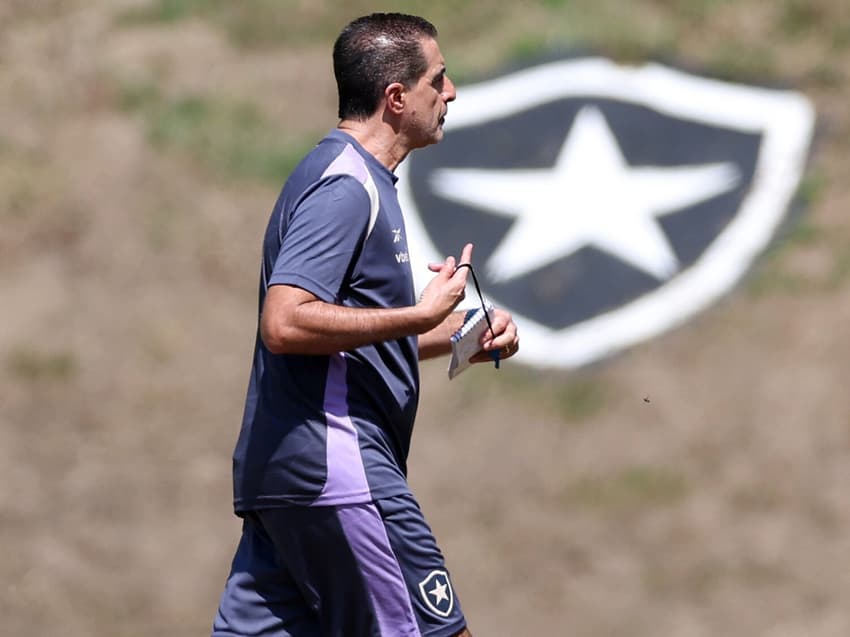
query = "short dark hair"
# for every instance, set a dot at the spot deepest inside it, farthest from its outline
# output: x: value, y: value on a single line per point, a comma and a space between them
x: 374, y: 51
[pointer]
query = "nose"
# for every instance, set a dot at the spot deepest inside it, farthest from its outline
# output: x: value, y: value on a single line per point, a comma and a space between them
x: 449, y: 92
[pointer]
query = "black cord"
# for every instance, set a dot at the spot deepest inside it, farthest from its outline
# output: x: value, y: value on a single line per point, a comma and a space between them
x: 494, y: 353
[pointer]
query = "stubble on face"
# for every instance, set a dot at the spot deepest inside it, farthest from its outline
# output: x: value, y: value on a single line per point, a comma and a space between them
x: 430, y: 95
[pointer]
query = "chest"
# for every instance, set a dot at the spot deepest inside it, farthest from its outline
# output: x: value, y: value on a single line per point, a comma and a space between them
x: 383, y: 270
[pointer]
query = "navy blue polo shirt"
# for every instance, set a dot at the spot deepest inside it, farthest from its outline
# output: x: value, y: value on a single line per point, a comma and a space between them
x: 329, y: 430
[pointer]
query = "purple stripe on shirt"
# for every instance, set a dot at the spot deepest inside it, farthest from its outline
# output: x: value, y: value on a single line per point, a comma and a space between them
x: 346, y: 476
x: 367, y: 537
x: 348, y: 162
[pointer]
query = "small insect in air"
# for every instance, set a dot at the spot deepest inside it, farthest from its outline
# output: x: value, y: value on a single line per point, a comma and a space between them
x: 646, y: 399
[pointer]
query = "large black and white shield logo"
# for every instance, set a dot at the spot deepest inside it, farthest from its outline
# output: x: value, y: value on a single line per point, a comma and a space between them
x: 607, y: 204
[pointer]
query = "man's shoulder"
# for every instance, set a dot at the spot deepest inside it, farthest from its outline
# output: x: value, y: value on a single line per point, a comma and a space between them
x: 347, y: 161
x: 333, y: 156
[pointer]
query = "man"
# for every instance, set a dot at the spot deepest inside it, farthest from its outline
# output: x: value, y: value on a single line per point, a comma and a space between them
x: 333, y: 541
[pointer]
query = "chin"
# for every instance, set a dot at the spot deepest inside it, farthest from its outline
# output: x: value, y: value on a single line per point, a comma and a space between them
x: 428, y: 140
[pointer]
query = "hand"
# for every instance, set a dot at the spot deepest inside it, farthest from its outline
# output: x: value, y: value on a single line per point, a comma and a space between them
x: 447, y: 289
x: 506, y: 341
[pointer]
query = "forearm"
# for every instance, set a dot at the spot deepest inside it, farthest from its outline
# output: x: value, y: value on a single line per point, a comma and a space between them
x: 322, y: 328
x: 437, y: 342
x: 295, y: 321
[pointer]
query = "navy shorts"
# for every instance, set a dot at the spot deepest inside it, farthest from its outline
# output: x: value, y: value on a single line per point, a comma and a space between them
x: 359, y: 570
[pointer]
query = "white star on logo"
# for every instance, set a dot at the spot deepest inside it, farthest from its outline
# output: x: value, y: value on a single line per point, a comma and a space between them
x: 439, y: 592
x: 591, y: 196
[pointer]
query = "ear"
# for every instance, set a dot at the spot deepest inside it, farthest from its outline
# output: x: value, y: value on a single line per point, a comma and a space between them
x: 394, y: 95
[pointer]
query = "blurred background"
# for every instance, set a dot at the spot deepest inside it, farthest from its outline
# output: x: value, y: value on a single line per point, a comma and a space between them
x: 694, y: 485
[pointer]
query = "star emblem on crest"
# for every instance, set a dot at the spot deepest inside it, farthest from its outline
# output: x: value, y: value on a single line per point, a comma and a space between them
x: 591, y: 196
x: 436, y: 592
x: 439, y: 592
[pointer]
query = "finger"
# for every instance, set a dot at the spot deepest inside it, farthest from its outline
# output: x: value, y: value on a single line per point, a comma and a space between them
x: 504, y: 330
x: 504, y: 338
x: 509, y: 350
x: 466, y: 254
x: 506, y: 351
x: 448, y: 267
x: 460, y: 276
x: 499, y: 322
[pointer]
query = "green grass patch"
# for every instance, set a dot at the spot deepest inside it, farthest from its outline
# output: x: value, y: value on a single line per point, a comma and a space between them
x: 827, y: 75
x: 617, y: 30
x: 811, y: 189
x: 272, y: 23
x: 631, y: 32
x: 231, y: 138
x: 841, y: 35
x: 771, y: 276
x: 803, y: 17
x: 581, y: 398
x: 744, y: 61
x: 262, y: 23
x: 774, y: 275
x: 32, y: 366
x: 633, y: 487
x: 275, y: 23
x: 19, y: 187
x: 170, y: 10
x: 528, y: 47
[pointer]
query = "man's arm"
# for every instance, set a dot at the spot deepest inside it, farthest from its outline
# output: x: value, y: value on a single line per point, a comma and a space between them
x: 437, y: 342
x: 295, y: 321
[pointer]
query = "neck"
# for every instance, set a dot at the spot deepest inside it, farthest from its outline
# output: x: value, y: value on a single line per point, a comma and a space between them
x: 379, y: 138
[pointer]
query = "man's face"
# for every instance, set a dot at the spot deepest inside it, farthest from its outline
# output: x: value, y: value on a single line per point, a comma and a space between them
x: 427, y: 100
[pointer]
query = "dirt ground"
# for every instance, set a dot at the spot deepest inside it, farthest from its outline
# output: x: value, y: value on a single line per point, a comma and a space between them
x: 565, y: 502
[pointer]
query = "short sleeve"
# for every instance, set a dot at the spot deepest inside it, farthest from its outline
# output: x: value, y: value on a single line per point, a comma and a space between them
x: 322, y: 237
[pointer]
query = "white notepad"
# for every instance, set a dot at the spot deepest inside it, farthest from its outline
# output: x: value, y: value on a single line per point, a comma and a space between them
x: 466, y: 342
